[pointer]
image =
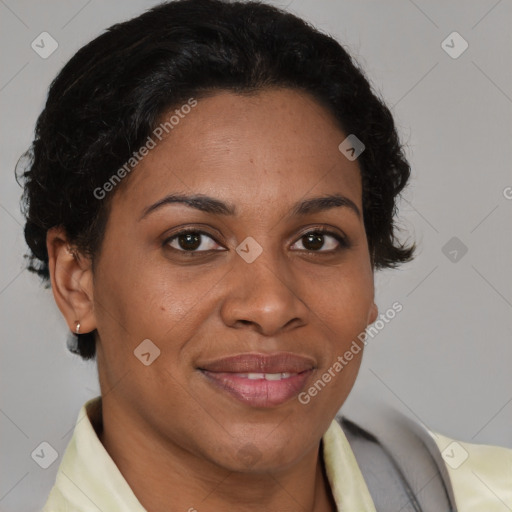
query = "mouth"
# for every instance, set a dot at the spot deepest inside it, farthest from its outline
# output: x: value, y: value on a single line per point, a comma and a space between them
x: 260, y: 380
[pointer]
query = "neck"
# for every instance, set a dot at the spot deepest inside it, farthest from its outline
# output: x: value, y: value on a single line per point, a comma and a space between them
x: 160, y: 472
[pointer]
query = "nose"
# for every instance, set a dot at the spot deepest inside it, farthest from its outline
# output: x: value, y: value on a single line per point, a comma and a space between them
x: 263, y: 296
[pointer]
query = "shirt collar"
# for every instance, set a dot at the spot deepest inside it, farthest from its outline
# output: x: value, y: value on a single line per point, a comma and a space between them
x: 88, y: 475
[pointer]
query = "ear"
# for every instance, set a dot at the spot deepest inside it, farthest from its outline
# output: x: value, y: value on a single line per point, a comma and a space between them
x: 71, y: 279
x: 374, y: 311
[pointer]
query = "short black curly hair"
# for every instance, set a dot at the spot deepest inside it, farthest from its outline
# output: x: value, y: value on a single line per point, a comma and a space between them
x: 108, y: 98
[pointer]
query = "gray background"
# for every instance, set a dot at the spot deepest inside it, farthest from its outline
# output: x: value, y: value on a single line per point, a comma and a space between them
x: 445, y: 360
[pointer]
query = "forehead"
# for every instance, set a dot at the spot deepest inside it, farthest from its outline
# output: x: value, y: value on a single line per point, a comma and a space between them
x: 274, y: 146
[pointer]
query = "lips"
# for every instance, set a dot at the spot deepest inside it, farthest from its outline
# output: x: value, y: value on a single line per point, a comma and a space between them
x: 282, y: 362
x: 260, y: 380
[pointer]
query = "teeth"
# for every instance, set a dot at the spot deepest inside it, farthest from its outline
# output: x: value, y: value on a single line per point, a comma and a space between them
x: 255, y: 376
x: 273, y: 376
x: 266, y: 376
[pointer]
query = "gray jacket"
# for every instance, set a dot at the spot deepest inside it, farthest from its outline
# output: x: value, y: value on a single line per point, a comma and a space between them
x: 400, y: 462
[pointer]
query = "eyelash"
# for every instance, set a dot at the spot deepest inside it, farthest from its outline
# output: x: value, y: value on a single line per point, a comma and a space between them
x: 342, y: 241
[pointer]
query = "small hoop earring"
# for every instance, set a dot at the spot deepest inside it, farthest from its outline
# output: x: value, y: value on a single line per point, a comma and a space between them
x: 77, y: 327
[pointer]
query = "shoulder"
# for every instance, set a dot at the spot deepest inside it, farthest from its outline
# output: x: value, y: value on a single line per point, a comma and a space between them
x: 481, y: 475
x: 431, y: 471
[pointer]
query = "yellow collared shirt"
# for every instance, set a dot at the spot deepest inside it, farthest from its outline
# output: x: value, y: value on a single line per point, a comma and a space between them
x: 88, y: 479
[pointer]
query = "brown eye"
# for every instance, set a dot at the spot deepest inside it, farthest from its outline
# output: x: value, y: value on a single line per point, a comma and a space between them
x: 193, y: 241
x: 320, y: 241
x: 189, y: 241
x: 313, y: 241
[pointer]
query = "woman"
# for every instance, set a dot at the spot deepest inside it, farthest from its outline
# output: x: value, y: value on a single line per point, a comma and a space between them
x: 212, y: 186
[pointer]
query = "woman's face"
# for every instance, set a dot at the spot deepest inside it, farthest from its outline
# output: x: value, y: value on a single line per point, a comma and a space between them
x: 252, y: 288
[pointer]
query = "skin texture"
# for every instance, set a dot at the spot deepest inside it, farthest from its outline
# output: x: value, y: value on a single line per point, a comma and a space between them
x: 175, y: 437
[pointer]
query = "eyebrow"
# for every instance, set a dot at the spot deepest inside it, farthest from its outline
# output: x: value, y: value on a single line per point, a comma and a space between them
x: 214, y: 206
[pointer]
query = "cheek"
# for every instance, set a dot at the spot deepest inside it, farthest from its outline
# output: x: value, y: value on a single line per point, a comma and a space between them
x: 150, y: 300
x: 342, y: 297
x: 341, y: 312
x: 342, y: 305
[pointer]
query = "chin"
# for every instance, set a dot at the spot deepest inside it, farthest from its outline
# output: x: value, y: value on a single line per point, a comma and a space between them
x: 255, y: 456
